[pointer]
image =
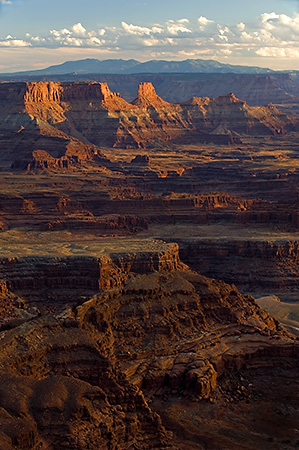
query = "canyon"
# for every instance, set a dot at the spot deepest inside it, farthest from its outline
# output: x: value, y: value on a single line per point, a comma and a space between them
x: 60, y: 124
x: 134, y: 236
x: 152, y: 336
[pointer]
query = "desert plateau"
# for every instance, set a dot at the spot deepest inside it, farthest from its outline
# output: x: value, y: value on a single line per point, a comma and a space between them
x: 149, y: 263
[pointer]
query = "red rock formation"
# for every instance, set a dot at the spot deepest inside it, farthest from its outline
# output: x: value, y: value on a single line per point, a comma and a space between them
x: 73, y: 273
x: 147, y: 97
x: 230, y: 114
x: 254, y: 266
x: 78, y: 114
x: 86, y: 377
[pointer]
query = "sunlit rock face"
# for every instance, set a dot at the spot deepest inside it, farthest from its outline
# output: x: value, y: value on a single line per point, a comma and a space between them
x: 70, y: 121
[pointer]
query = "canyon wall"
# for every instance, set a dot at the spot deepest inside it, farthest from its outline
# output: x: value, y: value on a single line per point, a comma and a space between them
x: 31, y: 274
x: 255, y: 89
x: 94, y: 371
x: 70, y: 121
x: 255, y: 266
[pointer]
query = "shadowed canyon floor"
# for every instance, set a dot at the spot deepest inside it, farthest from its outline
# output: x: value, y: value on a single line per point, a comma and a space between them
x: 107, y: 338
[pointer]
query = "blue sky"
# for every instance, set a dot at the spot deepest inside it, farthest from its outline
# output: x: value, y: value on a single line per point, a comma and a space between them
x: 38, y: 33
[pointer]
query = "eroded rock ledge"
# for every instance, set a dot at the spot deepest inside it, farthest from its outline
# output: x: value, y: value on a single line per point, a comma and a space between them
x: 254, y: 265
x: 94, y: 374
x: 33, y: 274
x: 61, y: 126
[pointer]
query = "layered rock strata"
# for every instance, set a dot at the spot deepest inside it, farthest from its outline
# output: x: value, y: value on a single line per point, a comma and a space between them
x: 255, y: 89
x: 69, y: 121
x: 255, y: 266
x: 107, y: 212
x: 93, y: 375
x: 37, y: 274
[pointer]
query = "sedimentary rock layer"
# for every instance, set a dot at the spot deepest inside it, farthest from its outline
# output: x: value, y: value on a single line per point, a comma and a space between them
x: 254, y: 265
x: 64, y: 124
x: 85, y: 376
x: 256, y: 89
x: 33, y: 274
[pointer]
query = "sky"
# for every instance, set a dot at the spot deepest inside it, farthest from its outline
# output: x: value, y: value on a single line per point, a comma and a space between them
x: 35, y: 34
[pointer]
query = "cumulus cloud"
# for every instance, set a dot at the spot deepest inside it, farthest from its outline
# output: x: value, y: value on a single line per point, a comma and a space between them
x: 95, y: 41
x: 76, y: 36
x: 271, y: 36
x: 150, y: 42
x: 266, y: 16
x: 140, y: 31
x: 278, y: 52
x: 135, y: 29
x: 14, y: 43
x: 78, y: 29
x: 176, y: 28
x: 203, y: 21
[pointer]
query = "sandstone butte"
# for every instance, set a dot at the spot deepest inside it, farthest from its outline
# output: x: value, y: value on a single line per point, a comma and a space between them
x: 52, y: 123
x: 133, y: 350
x: 151, y: 356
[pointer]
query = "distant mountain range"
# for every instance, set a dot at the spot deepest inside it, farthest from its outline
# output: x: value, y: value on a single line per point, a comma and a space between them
x: 131, y: 66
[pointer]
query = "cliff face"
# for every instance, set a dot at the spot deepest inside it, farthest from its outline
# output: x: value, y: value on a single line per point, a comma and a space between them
x: 153, y: 333
x: 74, y: 273
x: 255, y: 89
x: 29, y: 131
x: 240, y: 262
x: 60, y: 117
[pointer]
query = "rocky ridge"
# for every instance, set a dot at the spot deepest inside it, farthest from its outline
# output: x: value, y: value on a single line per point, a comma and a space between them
x: 90, y: 220
x: 64, y: 124
x: 255, y: 89
x: 254, y: 265
x: 30, y: 274
x: 92, y: 374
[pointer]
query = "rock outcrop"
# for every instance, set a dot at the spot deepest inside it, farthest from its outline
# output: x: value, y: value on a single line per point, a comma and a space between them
x: 40, y: 274
x: 94, y: 374
x: 256, y: 266
x: 255, y: 89
x: 107, y: 339
x: 70, y: 121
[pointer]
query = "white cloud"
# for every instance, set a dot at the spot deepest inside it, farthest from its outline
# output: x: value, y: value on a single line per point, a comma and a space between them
x: 5, y: 2
x: 14, y: 43
x: 266, y: 16
x: 135, y: 29
x: 38, y: 39
x: 94, y: 41
x: 272, y: 36
x: 150, y: 42
x: 277, y: 52
x: 73, y: 41
x: 65, y: 31
x: 78, y: 29
x: 203, y: 22
x: 246, y: 37
x: 241, y: 26
x: 170, y: 41
x: 56, y: 34
x: 157, y: 30
x: 176, y: 29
